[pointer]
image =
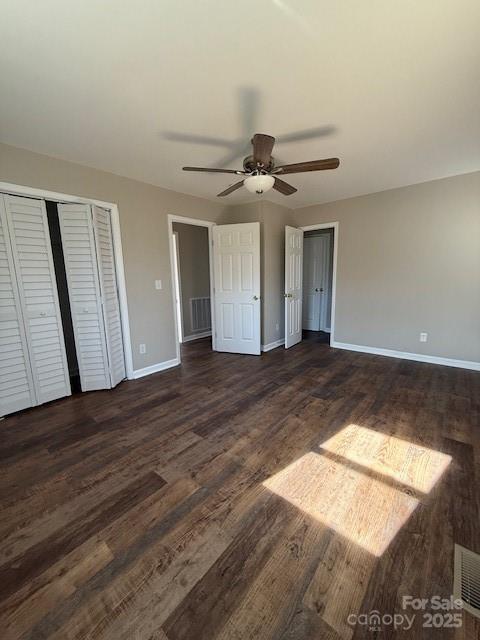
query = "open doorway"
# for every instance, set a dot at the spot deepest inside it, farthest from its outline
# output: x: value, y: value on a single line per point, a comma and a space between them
x: 310, y: 283
x: 317, y: 284
x: 232, y: 318
x: 191, y: 280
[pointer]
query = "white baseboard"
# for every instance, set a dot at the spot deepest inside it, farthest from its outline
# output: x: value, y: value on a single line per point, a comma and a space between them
x: 155, y: 368
x: 273, y: 345
x: 418, y: 357
x: 197, y: 336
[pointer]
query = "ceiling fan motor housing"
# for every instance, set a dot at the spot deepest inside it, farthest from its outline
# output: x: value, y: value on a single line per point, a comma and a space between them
x: 250, y: 165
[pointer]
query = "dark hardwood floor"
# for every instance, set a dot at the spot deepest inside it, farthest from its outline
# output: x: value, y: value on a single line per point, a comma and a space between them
x: 241, y: 497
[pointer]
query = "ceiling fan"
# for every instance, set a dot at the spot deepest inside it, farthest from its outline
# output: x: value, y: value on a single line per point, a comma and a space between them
x: 261, y: 173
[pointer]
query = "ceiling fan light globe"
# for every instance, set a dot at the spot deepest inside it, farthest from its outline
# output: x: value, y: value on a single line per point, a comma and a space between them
x: 259, y: 184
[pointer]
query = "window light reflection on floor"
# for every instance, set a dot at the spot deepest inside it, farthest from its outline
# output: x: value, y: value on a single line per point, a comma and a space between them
x: 360, y: 506
x: 408, y: 463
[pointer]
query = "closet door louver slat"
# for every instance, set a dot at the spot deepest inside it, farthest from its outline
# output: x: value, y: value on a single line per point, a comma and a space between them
x: 79, y: 251
x: 16, y: 384
x: 37, y: 287
x: 108, y: 287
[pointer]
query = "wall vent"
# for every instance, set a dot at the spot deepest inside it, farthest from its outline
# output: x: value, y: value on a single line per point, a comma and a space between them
x: 200, y: 314
x: 466, y: 582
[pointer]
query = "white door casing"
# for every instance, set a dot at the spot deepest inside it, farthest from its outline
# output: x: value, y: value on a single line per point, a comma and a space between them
x: 109, y: 292
x: 37, y: 286
x: 293, y: 285
x: 16, y: 384
x: 316, y: 273
x: 236, y: 255
x: 177, y: 286
x: 79, y: 253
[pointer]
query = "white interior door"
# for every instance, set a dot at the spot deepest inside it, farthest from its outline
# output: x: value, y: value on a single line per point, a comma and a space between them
x: 102, y: 227
x: 316, y: 263
x: 293, y: 285
x: 79, y: 253
x: 16, y: 384
x: 37, y: 286
x: 236, y: 257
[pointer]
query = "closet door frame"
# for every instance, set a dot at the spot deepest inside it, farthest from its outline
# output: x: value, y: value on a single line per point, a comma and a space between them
x: 54, y: 196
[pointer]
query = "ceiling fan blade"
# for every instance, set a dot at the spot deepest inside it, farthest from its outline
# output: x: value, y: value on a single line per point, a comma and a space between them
x: 176, y: 136
x: 313, y: 165
x: 284, y: 187
x: 238, y: 172
x: 231, y: 189
x: 262, y: 148
x: 306, y: 134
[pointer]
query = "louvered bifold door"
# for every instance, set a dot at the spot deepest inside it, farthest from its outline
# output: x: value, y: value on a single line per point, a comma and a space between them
x: 37, y: 286
x: 78, y: 242
x: 108, y: 288
x: 16, y: 384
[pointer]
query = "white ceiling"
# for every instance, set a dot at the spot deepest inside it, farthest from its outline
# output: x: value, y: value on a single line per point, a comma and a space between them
x: 106, y: 84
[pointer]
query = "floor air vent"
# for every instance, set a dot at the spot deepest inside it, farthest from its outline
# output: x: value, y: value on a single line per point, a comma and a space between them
x: 466, y: 583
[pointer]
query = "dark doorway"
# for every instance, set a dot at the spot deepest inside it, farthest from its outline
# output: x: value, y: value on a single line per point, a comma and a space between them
x: 63, y: 298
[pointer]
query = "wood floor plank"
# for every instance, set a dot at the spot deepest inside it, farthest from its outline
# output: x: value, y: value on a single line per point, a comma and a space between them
x: 25, y: 567
x: 238, y: 497
x: 26, y: 606
x: 218, y: 592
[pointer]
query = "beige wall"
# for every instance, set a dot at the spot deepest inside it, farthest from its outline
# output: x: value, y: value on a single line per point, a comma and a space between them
x: 408, y: 262
x: 409, y: 258
x: 194, y: 268
x: 143, y: 218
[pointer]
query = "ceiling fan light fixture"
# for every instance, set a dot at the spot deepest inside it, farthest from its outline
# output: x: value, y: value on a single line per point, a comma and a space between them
x: 259, y: 183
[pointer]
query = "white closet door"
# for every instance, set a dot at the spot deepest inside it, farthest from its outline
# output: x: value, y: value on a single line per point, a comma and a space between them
x: 16, y: 384
x: 108, y: 288
x: 32, y: 255
x: 79, y: 253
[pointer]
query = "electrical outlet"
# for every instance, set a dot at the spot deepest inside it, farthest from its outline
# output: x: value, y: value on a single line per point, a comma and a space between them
x: 143, y: 349
x: 423, y: 337
x: 158, y: 284
x: 277, y: 327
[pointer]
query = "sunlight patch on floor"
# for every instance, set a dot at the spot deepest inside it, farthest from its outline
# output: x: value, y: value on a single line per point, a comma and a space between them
x: 351, y: 485
x: 360, y: 508
x: 411, y: 464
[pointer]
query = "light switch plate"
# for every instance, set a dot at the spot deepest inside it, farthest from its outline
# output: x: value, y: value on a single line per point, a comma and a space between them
x: 423, y: 337
x: 158, y: 284
x: 143, y: 348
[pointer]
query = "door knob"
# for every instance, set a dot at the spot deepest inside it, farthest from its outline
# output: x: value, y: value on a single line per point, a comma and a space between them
x: 288, y: 295
x: 318, y: 290
x: 256, y: 298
